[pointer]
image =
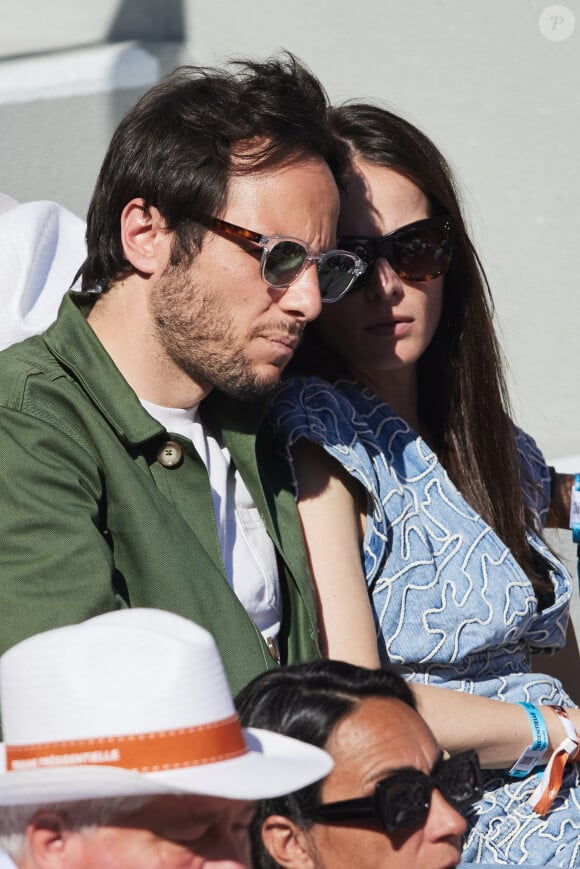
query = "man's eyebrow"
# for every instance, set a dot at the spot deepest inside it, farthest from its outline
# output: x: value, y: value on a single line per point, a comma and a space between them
x: 388, y: 772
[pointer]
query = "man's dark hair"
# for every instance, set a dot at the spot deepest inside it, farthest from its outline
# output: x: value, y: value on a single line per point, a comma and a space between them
x: 307, y: 701
x: 179, y: 145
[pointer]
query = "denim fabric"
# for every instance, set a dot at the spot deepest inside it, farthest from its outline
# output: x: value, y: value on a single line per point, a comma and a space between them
x: 452, y: 606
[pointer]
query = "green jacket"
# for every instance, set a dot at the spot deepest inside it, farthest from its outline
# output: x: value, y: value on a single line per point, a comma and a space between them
x: 90, y: 520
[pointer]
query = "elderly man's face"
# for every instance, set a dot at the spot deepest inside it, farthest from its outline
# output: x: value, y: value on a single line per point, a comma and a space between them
x: 188, y: 832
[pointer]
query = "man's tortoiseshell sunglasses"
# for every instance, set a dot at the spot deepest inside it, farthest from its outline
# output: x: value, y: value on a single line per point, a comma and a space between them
x: 284, y: 259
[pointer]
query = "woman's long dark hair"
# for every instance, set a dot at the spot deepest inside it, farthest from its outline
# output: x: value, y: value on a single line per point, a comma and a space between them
x: 307, y: 701
x: 462, y: 395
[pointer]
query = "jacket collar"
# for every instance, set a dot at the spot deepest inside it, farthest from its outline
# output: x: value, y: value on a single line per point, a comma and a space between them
x: 72, y: 341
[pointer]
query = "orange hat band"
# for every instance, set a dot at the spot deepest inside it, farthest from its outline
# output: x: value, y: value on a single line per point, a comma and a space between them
x: 143, y: 752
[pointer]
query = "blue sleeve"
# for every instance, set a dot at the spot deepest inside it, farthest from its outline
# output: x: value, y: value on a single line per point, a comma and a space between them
x: 313, y: 409
x: 535, y: 476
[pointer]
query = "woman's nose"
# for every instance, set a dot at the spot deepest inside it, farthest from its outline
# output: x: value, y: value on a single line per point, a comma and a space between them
x: 384, y: 283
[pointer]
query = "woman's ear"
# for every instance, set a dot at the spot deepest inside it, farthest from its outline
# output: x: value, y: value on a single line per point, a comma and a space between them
x: 287, y: 843
x: 146, y: 242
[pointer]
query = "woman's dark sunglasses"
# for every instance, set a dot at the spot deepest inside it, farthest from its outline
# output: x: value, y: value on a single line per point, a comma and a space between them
x: 403, y: 799
x: 419, y: 251
x: 284, y: 259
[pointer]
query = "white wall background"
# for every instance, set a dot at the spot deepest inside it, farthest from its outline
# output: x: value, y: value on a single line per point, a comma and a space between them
x: 500, y: 98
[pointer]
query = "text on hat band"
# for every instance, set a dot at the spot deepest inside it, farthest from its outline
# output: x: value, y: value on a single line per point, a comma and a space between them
x: 142, y: 752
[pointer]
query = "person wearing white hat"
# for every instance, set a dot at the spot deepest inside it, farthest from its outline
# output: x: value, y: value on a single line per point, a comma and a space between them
x: 122, y: 748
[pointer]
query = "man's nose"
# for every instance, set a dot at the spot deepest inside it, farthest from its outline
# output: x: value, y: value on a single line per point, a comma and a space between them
x: 443, y: 820
x: 302, y: 298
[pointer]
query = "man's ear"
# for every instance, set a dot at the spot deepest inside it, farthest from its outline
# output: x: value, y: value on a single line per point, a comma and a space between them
x: 287, y: 843
x: 146, y: 243
x: 49, y: 840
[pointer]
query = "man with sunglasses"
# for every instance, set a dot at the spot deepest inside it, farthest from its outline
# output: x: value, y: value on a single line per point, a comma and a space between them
x: 133, y: 469
x: 391, y: 799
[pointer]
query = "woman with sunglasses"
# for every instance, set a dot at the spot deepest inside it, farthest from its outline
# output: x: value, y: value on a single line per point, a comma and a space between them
x: 416, y: 491
x: 391, y: 799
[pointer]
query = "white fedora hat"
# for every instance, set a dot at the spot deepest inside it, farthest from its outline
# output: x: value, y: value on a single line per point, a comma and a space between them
x: 134, y: 702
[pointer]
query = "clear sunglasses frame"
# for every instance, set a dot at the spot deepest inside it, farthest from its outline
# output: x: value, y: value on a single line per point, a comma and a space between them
x: 350, y: 263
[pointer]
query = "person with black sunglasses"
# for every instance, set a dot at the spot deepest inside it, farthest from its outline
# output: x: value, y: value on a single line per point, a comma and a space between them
x: 423, y: 505
x: 391, y: 799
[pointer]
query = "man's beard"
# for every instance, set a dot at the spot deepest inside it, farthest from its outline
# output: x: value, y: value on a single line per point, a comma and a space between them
x: 202, y: 341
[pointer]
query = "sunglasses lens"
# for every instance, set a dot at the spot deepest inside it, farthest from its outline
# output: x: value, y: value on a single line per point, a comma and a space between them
x: 284, y: 263
x: 403, y: 800
x: 336, y: 273
x: 459, y: 779
x: 422, y: 253
x: 363, y: 249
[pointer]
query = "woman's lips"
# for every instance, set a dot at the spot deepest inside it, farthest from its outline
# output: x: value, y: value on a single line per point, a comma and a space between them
x: 391, y: 328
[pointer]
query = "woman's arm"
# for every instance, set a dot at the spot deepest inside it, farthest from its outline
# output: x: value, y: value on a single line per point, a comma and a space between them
x: 328, y: 506
x: 332, y: 508
x: 498, y: 731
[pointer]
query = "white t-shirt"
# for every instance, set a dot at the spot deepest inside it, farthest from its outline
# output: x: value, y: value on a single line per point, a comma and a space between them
x: 248, y: 553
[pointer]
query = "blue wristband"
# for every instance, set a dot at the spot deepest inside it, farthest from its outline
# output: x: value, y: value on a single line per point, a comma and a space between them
x: 531, y: 756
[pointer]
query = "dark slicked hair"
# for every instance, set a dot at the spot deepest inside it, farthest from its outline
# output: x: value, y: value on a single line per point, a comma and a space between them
x: 461, y: 388
x: 179, y: 145
x: 307, y: 701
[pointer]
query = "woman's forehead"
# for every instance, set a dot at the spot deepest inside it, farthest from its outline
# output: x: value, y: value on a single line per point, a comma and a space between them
x: 378, y: 199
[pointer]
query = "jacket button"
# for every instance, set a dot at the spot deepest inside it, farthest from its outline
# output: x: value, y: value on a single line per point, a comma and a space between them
x: 170, y: 455
x: 273, y: 649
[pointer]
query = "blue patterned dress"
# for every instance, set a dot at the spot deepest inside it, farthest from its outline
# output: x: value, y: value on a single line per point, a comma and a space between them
x: 452, y: 606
